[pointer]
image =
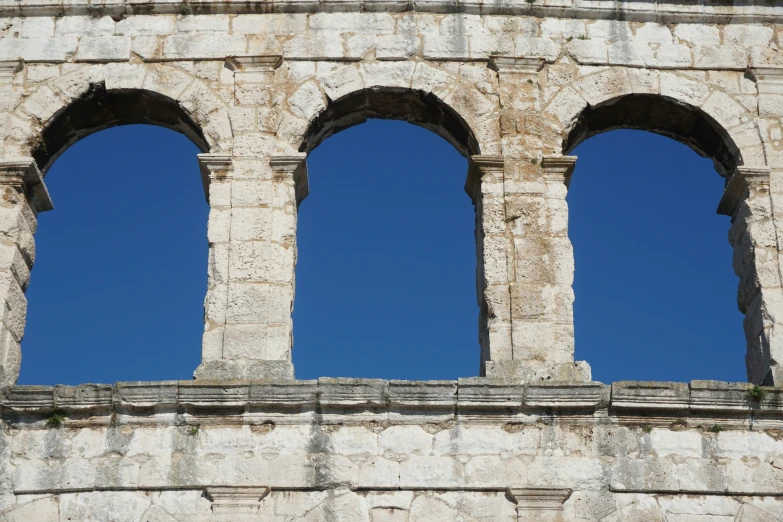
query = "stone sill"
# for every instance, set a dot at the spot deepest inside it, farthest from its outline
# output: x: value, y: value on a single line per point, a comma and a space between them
x: 665, y: 11
x: 430, y: 399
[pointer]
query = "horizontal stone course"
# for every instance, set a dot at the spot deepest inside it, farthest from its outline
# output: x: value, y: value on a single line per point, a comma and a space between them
x: 466, y: 396
x: 711, y: 11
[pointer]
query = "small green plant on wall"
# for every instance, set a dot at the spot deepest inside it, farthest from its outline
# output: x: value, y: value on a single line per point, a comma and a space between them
x: 56, y: 419
x: 756, y: 393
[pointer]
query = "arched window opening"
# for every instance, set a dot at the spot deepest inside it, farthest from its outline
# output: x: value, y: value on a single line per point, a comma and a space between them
x: 99, y: 109
x: 118, y: 286
x: 661, y: 115
x: 654, y: 286
x: 387, y: 256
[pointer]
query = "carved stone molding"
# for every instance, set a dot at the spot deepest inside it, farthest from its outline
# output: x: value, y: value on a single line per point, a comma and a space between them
x: 769, y: 80
x: 558, y: 169
x: 24, y: 173
x: 480, y: 165
x: 8, y: 70
x: 543, y: 504
x: 255, y: 69
x: 738, y: 186
x: 516, y: 65
x: 293, y: 165
x: 236, y: 499
x: 214, y: 167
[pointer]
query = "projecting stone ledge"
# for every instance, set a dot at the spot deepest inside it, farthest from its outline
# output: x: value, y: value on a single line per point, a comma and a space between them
x: 361, y: 400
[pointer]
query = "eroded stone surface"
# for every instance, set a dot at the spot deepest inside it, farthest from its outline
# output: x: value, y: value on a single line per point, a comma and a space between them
x: 514, y: 88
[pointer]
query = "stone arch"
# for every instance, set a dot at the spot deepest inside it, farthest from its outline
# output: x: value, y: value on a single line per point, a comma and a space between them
x: 99, y: 109
x: 663, y: 115
x: 87, y: 100
x: 50, y: 116
x: 694, y: 112
x: 423, y: 94
x: 428, y: 97
x: 424, y: 109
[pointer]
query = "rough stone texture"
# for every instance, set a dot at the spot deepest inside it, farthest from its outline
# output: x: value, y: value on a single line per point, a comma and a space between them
x: 368, y: 450
x: 514, y: 87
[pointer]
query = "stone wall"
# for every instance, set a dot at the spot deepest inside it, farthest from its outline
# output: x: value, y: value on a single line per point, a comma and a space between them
x: 372, y: 450
x: 514, y: 86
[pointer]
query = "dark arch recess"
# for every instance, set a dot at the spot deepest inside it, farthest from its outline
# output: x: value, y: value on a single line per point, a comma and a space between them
x: 100, y: 109
x: 416, y: 107
x: 661, y: 115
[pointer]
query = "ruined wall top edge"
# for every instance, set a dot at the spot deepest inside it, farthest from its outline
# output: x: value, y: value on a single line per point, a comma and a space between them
x: 696, y: 400
x: 665, y: 11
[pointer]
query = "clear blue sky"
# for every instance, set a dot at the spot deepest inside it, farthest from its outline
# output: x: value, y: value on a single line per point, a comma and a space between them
x: 386, y: 274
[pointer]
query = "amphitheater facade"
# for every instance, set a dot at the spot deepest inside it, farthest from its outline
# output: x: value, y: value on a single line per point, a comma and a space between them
x: 513, y: 85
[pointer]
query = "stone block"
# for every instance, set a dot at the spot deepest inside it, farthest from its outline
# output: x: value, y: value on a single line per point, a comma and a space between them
x: 650, y: 395
x: 104, y: 49
x: 203, y: 46
x: 83, y: 397
x: 222, y: 370
x: 396, y: 47
x: 436, y: 47
x: 56, y: 49
x: 352, y: 392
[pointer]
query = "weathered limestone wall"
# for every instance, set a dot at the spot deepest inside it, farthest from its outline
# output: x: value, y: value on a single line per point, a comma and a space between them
x: 515, y: 93
x: 371, y: 450
x: 514, y: 87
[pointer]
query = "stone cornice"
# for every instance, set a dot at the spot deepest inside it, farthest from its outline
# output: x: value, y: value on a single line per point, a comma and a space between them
x: 558, y: 169
x: 294, y: 165
x: 8, y: 69
x: 480, y: 165
x: 538, y: 499
x: 769, y: 80
x: 743, y: 179
x: 214, y: 167
x: 24, y: 172
x: 666, y: 11
x: 361, y: 400
x: 236, y: 499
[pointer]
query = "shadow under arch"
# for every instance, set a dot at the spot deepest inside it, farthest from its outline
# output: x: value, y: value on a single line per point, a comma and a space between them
x: 661, y: 115
x: 100, y: 109
x: 392, y: 103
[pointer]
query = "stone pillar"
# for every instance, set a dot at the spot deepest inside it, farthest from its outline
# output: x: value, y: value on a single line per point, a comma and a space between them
x: 252, y: 235
x: 23, y: 196
x: 485, y: 187
x: 753, y: 234
x: 539, y: 253
x: 252, y: 258
x: 539, y: 504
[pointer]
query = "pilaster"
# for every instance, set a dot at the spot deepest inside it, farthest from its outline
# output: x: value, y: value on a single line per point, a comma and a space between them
x: 754, y: 236
x: 24, y: 195
x: 252, y: 236
x: 539, y: 504
x: 539, y: 254
x: 485, y: 186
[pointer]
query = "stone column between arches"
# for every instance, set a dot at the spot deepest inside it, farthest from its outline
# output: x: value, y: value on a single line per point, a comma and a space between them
x: 538, y: 253
x: 253, y: 196
x: 252, y: 258
x: 22, y: 196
